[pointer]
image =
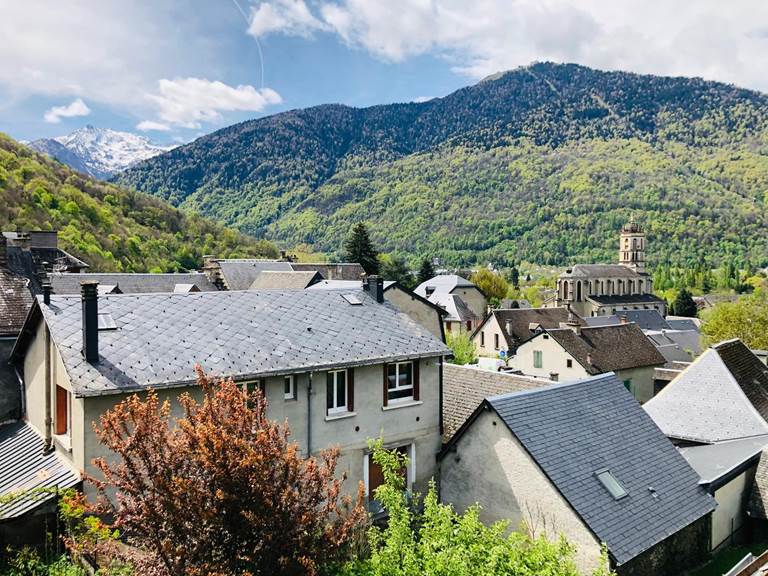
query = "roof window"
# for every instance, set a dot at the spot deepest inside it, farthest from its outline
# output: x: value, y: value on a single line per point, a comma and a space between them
x: 611, y: 484
x: 352, y: 299
x: 106, y: 322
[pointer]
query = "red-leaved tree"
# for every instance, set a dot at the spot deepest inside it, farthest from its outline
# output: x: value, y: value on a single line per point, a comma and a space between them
x: 221, y: 491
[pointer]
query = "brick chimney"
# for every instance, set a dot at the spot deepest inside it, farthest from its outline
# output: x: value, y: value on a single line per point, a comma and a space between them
x: 3, y: 251
x: 89, y: 290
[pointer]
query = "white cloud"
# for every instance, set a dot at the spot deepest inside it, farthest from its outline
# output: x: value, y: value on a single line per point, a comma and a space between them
x: 76, y: 108
x: 186, y: 102
x: 151, y: 125
x: 692, y: 38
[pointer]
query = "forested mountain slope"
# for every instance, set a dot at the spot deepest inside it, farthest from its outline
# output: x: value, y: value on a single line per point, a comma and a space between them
x: 111, y: 228
x: 542, y: 163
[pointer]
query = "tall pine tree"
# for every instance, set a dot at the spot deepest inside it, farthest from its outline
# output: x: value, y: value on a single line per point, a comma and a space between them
x: 684, y: 304
x: 426, y: 271
x: 358, y: 248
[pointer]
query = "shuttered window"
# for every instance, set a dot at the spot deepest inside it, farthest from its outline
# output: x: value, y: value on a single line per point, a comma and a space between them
x: 62, y: 411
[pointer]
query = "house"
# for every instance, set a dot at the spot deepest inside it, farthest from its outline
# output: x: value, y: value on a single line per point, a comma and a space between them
x: 507, y: 329
x: 605, y: 289
x: 426, y: 313
x: 577, y: 352
x: 239, y: 273
x: 36, y: 253
x: 340, y: 367
x: 583, y: 460
x: 131, y: 283
x: 727, y: 472
x: 465, y: 303
x: 722, y: 395
x: 275, y: 280
x: 465, y: 388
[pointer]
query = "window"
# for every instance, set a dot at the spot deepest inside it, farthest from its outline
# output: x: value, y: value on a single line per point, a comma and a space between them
x: 469, y: 325
x: 289, y: 384
x: 400, y: 381
x: 496, y: 341
x: 611, y: 484
x: 337, y: 392
x: 569, y: 363
x: 537, y: 359
x: 374, y: 477
x: 62, y: 411
x: 482, y: 339
x: 447, y: 326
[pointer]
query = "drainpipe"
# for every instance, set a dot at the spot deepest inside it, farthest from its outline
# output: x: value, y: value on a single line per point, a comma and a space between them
x: 48, y: 444
x: 440, y: 393
x: 309, y: 415
x: 23, y: 391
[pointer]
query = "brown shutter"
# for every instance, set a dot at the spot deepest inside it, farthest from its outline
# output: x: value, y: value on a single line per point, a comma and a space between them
x: 416, y: 379
x: 386, y: 390
x: 351, y: 390
x: 61, y: 410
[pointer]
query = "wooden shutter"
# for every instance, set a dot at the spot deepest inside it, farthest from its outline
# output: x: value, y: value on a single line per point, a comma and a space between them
x: 351, y: 390
x: 416, y: 379
x: 386, y: 389
x: 61, y: 410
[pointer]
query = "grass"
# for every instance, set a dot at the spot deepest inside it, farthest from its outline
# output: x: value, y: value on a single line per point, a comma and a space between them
x: 727, y: 559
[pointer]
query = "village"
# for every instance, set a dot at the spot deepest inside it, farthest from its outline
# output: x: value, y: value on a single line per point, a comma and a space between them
x: 598, y: 417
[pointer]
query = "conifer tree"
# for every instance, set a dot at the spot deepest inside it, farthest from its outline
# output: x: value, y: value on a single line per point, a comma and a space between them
x: 359, y: 248
x: 684, y: 304
x: 426, y: 271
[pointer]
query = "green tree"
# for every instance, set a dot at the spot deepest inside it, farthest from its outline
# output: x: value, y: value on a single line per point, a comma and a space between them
x: 359, y: 248
x: 684, y: 304
x: 493, y: 285
x: 439, y: 542
x: 746, y: 319
x: 396, y: 268
x: 463, y: 348
x: 426, y: 270
x: 514, y: 277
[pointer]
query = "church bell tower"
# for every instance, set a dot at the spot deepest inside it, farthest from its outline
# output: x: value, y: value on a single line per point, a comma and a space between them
x: 632, y: 246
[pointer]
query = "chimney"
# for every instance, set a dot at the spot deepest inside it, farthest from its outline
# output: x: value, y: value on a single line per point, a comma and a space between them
x: 89, y: 290
x: 376, y: 286
x: 47, y: 293
x: 3, y: 251
x: 508, y: 327
x: 623, y: 319
x: 429, y: 290
x: 589, y: 358
x: 366, y: 284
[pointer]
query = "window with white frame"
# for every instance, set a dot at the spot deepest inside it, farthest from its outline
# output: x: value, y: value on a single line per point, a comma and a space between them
x: 337, y: 392
x: 400, y: 381
x: 289, y: 383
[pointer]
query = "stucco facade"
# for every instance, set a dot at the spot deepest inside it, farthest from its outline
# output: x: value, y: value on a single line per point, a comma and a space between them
x: 474, y: 299
x: 491, y: 468
x: 417, y: 309
x: 730, y: 516
x: 490, y: 340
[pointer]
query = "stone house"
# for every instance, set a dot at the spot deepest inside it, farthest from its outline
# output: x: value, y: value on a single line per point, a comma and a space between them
x: 582, y: 460
x: 465, y: 303
x: 340, y: 366
x: 575, y: 352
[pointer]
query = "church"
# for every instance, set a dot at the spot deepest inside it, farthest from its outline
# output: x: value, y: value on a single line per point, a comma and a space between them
x: 606, y: 289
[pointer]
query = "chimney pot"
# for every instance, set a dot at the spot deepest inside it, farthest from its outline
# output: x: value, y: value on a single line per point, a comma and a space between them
x: 47, y: 288
x: 376, y: 286
x: 89, y: 291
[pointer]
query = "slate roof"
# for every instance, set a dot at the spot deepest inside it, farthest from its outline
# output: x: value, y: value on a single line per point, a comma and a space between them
x: 601, y: 349
x: 465, y: 388
x: 345, y: 285
x: 722, y: 395
x: 131, y: 283
x: 520, y: 321
x: 272, y: 280
x: 456, y: 309
x: 332, y: 270
x: 715, y: 463
x: 757, y: 507
x: 25, y: 467
x: 603, y: 271
x: 443, y: 283
x: 638, y: 299
x: 676, y: 345
x: 239, y: 274
x: 245, y: 334
x: 574, y: 430
x: 680, y: 323
x: 646, y: 319
x: 15, y: 302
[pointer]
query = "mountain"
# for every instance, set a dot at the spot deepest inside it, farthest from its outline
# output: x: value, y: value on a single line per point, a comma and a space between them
x: 542, y: 163
x: 111, y: 228
x: 98, y: 152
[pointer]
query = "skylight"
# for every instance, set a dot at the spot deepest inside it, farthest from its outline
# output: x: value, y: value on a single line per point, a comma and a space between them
x: 352, y: 299
x: 611, y: 484
x: 106, y: 322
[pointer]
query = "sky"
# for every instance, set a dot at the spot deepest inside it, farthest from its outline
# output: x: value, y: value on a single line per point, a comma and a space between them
x: 175, y: 70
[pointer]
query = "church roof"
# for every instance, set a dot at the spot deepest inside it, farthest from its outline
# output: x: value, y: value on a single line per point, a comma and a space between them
x: 603, y: 271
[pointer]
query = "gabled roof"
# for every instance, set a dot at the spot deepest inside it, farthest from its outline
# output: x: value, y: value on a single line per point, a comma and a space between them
x: 332, y: 270
x: 681, y: 323
x: 717, y: 463
x: 573, y: 431
x: 388, y: 285
x: 131, y: 283
x: 722, y: 395
x: 603, y: 349
x: 272, y: 280
x: 245, y: 334
x: 15, y: 302
x: 639, y: 299
x: 602, y: 271
x: 465, y: 388
x: 239, y: 274
x: 646, y: 319
x: 676, y: 344
x: 443, y: 284
x: 25, y: 467
x: 456, y: 309
x: 521, y: 320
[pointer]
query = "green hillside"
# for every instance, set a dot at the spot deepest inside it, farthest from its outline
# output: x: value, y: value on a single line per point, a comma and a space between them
x: 543, y: 163
x: 111, y: 228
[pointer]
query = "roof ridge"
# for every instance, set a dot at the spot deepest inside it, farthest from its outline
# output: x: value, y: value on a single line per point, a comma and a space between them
x: 553, y: 387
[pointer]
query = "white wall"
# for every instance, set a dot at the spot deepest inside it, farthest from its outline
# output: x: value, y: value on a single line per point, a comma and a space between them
x: 554, y: 360
x: 491, y: 329
x: 729, y: 515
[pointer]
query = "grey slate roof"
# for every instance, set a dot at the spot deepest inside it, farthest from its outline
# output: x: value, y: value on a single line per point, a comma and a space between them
x: 715, y: 461
x: 646, y: 319
x: 601, y: 349
x: 15, y: 301
x: 24, y: 467
x: 457, y: 310
x: 680, y: 323
x: 520, y: 320
x: 638, y: 299
x: 722, y: 395
x: 574, y: 430
x: 131, y: 283
x: 345, y: 285
x: 245, y: 334
x: 603, y: 271
x: 240, y: 274
x: 443, y: 283
x: 273, y: 280
x: 676, y: 345
x: 465, y: 387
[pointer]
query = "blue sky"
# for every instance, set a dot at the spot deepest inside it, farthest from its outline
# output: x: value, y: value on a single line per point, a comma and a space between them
x: 174, y: 70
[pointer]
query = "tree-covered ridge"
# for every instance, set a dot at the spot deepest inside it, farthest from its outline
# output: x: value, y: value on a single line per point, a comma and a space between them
x: 111, y: 228
x: 542, y: 163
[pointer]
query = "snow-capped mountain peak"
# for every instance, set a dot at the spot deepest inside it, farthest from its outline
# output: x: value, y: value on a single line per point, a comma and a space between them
x: 100, y: 152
